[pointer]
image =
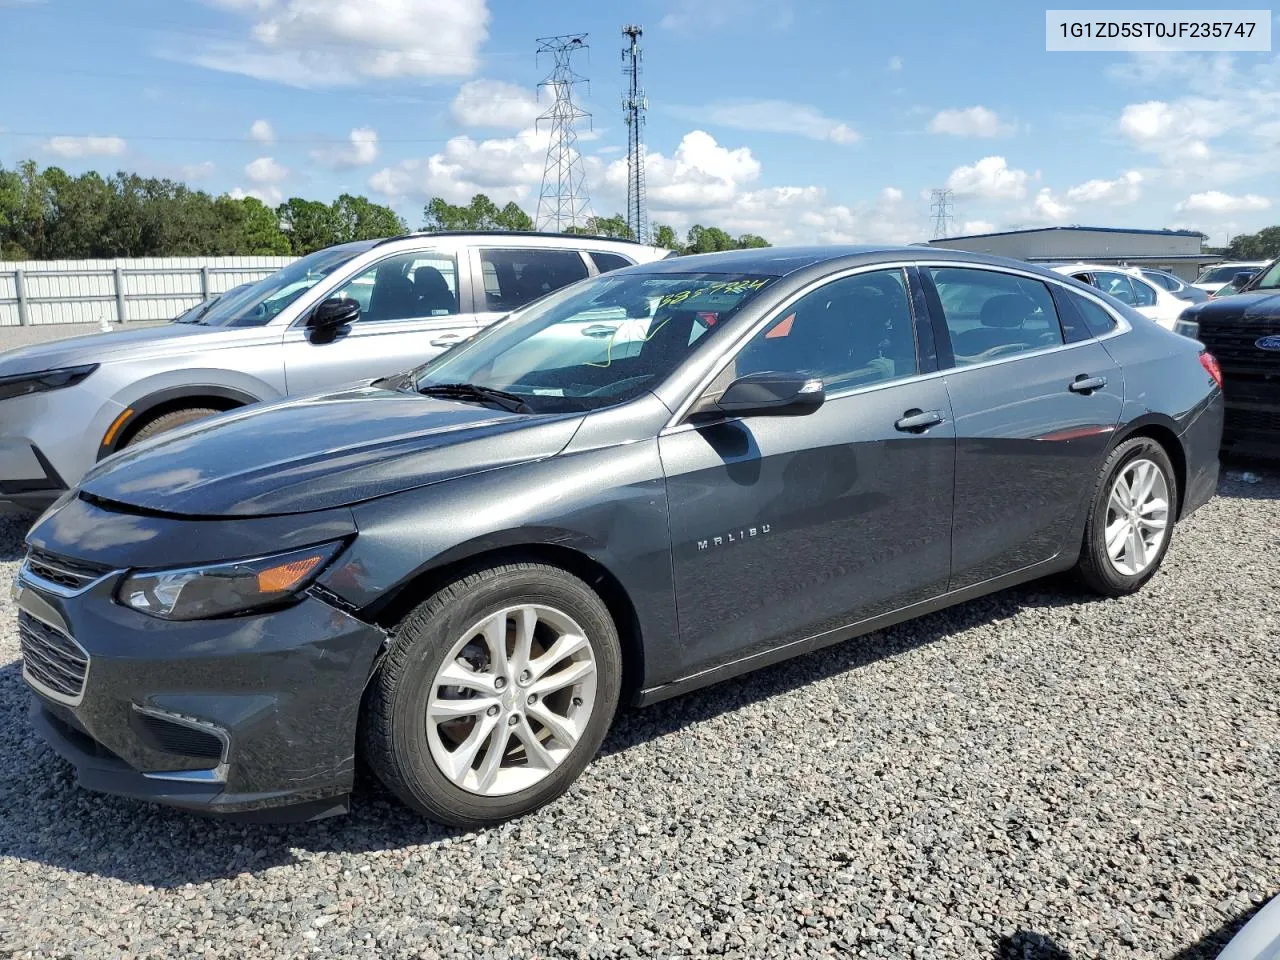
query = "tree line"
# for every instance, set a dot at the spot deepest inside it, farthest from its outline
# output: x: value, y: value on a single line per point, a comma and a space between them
x: 48, y: 214
x: 1263, y: 245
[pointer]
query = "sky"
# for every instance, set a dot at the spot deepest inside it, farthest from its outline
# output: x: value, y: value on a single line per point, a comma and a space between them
x: 817, y: 121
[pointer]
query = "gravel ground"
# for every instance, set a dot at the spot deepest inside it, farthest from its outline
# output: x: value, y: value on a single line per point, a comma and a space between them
x: 1032, y: 775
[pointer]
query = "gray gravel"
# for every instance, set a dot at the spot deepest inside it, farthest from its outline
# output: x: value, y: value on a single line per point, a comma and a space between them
x: 1032, y: 775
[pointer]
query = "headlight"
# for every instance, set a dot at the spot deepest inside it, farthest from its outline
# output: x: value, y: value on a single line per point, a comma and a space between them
x: 21, y: 384
x: 1188, y: 328
x: 216, y: 590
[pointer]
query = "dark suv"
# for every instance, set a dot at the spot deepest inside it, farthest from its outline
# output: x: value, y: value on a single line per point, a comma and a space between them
x: 1243, y: 332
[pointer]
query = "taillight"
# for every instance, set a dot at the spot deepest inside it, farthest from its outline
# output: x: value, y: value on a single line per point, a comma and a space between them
x: 1210, y: 364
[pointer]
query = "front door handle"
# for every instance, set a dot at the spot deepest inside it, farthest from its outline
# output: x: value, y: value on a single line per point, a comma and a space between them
x: 599, y: 330
x: 918, y: 421
x: 1087, y: 384
x: 446, y: 340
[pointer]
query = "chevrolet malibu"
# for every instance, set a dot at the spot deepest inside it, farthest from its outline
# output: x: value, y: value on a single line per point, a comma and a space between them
x: 649, y: 481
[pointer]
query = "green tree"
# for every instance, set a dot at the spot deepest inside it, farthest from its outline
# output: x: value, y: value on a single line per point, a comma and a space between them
x: 309, y: 224
x: 664, y: 236
x: 1263, y: 245
x: 480, y: 214
x: 708, y: 239
x: 750, y: 241
x: 248, y: 227
x: 358, y: 218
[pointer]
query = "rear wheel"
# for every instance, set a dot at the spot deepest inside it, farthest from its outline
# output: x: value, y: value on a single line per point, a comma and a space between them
x: 1134, y: 505
x: 494, y: 695
x: 170, y: 421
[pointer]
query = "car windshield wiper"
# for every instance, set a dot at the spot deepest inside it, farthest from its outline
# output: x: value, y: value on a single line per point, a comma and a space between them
x: 474, y: 391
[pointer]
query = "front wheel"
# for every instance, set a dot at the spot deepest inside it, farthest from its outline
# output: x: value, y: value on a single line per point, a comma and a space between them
x: 1134, y: 506
x: 494, y: 694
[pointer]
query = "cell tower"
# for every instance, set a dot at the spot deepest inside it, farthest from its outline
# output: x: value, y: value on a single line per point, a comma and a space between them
x: 940, y: 208
x: 634, y: 105
x: 563, y: 202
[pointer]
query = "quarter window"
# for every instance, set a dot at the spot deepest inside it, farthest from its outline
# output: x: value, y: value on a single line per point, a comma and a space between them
x: 410, y: 286
x: 513, y: 278
x: 1098, y: 320
x: 991, y: 314
x: 851, y: 332
x: 609, y: 261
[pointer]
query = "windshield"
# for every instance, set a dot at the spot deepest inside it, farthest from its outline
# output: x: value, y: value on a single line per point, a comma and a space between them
x: 260, y: 303
x: 1225, y: 274
x: 1270, y: 279
x: 598, y: 342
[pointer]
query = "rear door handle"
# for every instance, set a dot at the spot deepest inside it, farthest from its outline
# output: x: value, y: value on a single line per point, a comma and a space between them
x: 599, y: 330
x: 446, y: 340
x: 1087, y: 384
x: 918, y: 421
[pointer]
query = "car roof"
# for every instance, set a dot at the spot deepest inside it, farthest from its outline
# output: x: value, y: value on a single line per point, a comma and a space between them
x: 784, y: 261
x: 523, y: 238
x: 1112, y: 267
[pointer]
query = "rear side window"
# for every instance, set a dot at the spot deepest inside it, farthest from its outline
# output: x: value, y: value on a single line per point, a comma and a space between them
x: 609, y: 261
x: 991, y: 314
x: 1162, y: 280
x: 1144, y: 295
x: 1117, y: 285
x: 513, y: 278
x: 1098, y: 320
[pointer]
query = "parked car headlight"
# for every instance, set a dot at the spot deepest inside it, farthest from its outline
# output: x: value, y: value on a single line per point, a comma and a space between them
x: 21, y: 384
x: 1188, y: 328
x: 216, y: 590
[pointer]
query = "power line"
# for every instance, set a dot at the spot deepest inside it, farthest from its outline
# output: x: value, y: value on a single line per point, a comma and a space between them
x: 563, y: 201
x: 940, y: 208
x: 634, y: 105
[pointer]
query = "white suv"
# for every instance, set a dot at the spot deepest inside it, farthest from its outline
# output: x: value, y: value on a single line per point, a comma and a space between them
x: 355, y: 311
x: 1128, y: 285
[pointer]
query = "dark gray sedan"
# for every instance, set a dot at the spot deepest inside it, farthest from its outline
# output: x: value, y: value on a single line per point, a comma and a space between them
x: 647, y: 482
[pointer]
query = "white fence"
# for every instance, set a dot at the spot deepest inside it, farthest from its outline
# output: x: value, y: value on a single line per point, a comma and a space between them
x: 36, y: 292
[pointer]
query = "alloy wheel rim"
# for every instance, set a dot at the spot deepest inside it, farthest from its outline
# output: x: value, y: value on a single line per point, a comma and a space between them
x: 511, y: 700
x: 1137, y: 517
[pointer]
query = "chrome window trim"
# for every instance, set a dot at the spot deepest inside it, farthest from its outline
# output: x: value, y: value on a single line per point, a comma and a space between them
x: 39, y: 687
x: 676, y: 424
x: 215, y: 774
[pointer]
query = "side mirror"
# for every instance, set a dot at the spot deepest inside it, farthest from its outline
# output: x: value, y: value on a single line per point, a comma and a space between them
x: 1243, y: 277
x: 770, y: 394
x: 333, y: 313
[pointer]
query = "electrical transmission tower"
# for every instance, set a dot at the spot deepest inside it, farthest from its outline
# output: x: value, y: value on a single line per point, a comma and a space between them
x: 634, y: 105
x: 563, y: 202
x: 940, y: 209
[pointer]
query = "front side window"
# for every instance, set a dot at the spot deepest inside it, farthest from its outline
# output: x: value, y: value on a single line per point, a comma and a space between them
x: 602, y: 342
x: 1270, y: 279
x: 991, y: 314
x: 409, y: 286
x: 513, y: 278
x: 1117, y: 285
x: 851, y: 332
x: 258, y: 304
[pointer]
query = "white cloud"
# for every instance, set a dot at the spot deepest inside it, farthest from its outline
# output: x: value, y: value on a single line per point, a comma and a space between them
x: 891, y: 195
x: 1122, y: 190
x: 505, y: 168
x: 262, y: 132
x: 90, y: 146
x: 362, y: 151
x: 199, y: 171
x: 323, y: 43
x: 976, y: 121
x: 492, y: 103
x: 970, y: 227
x: 271, y: 195
x: 895, y: 63
x: 265, y: 170
x: 990, y: 178
x: 1048, y: 208
x: 699, y: 173
x: 1217, y: 202
x: 772, y: 116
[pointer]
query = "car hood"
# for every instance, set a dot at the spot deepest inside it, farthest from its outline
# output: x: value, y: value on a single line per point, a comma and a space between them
x: 1264, y: 303
x: 314, y: 453
x: 160, y: 340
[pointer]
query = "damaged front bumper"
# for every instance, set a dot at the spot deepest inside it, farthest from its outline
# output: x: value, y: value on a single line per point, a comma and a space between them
x: 252, y: 717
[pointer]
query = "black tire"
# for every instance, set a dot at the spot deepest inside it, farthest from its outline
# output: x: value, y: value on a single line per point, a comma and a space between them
x: 1095, y: 567
x: 169, y: 421
x: 393, y: 735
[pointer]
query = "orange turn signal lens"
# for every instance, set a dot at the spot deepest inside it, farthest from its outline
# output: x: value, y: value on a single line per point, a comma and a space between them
x: 286, y: 576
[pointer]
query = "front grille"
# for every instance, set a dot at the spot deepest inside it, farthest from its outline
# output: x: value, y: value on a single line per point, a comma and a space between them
x: 169, y: 736
x: 1235, y: 343
x: 65, y: 572
x: 54, y: 663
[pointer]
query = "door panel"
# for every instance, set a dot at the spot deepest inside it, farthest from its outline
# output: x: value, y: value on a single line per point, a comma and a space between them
x: 790, y: 526
x: 1027, y: 455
